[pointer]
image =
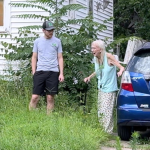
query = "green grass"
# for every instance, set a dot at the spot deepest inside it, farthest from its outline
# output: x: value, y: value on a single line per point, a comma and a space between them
x: 24, y: 130
x: 67, y: 128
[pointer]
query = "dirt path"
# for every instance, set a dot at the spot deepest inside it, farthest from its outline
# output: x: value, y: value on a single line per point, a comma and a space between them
x: 111, y: 145
x: 125, y: 146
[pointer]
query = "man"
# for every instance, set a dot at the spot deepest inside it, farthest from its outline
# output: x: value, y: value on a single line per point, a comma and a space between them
x: 47, y: 67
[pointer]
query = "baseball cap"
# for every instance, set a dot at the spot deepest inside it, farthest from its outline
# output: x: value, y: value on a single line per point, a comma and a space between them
x: 48, y: 25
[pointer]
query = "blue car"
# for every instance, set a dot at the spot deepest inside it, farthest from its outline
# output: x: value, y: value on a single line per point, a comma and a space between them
x: 133, y: 100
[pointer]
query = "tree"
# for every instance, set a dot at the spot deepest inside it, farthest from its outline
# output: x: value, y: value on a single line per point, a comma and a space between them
x: 132, y: 18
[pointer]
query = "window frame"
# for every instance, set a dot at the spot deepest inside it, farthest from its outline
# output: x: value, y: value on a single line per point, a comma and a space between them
x: 6, y: 17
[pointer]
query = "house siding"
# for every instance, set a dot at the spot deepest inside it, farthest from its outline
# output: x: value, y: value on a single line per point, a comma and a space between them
x: 15, y: 23
x: 100, y: 16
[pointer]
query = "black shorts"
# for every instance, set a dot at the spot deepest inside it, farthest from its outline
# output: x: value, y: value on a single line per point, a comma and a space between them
x: 45, y: 81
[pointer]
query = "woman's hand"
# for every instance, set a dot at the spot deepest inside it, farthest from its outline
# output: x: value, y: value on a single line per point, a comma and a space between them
x: 121, y: 71
x: 87, y: 79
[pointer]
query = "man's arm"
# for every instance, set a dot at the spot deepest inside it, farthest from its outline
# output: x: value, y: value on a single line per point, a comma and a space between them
x: 34, y: 62
x: 61, y: 67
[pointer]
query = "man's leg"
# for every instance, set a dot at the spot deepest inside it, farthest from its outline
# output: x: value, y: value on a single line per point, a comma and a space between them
x: 51, y: 89
x: 50, y: 103
x: 34, y: 100
x: 38, y: 88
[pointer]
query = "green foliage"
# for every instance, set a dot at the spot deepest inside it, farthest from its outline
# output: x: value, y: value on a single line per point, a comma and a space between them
x: 76, y: 44
x: 134, y: 140
x: 132, y: 18
x: 77, y: 57
x: 118, y: 143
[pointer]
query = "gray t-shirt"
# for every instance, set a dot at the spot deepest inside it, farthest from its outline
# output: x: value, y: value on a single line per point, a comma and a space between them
x: 47, y: 50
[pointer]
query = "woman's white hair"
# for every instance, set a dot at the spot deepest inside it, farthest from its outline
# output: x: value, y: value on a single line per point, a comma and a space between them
x: 101, y: 45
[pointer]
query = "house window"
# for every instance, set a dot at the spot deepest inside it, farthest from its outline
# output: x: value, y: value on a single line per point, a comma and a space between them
x: 1, y: 12
x: 4, y: 16
x: 72, y: 12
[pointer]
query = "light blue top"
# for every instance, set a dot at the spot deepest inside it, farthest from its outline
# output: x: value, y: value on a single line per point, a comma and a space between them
x: 107, y: 77
x: 47, y: 50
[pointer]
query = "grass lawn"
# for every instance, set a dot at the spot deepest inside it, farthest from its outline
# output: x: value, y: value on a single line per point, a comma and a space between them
x: 64, y: 129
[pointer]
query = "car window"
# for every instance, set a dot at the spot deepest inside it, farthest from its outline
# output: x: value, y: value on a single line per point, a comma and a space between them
x: 140, y: 63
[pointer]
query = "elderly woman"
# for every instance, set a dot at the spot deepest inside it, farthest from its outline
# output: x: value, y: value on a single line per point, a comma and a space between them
x: 105, y: 70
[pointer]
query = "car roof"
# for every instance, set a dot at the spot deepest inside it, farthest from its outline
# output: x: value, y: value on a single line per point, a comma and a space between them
x: 145, y: 47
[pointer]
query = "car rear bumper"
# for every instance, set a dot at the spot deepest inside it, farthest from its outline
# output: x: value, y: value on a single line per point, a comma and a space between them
x: 133, y: 117
x: 135, y: 123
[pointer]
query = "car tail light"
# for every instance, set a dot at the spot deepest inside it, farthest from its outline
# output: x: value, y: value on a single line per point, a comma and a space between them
x: 126, y: 82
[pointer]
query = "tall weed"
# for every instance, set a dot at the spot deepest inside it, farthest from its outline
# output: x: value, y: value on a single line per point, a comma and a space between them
x: 67, y: 128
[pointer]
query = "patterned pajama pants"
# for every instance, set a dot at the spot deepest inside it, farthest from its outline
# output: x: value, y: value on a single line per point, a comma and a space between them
x: 106, y: 103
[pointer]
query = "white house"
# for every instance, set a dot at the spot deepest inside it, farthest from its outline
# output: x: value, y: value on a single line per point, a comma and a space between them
x: 102, y: 10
